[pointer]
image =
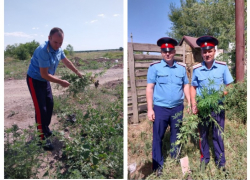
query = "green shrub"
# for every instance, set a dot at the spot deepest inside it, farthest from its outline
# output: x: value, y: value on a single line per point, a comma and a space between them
x: 66, y: 52
x: 21, y: 157
x: 236, y: 102
x: 21, y: 51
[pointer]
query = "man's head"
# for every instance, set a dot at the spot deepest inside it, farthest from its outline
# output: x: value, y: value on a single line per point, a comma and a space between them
x: 207, y: 44
x: 167, y: 47
x: 56, y: 38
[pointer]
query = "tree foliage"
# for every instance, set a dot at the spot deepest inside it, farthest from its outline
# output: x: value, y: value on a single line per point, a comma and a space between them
x: 21, y: 51
x: 70, y: 49
x: 204, y: 17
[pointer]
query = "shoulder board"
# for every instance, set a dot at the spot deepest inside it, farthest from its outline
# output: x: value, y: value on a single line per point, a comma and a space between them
x: 221, y: 62
x: 154, y: 63
x: 182, y: 64
x: 197, y: 66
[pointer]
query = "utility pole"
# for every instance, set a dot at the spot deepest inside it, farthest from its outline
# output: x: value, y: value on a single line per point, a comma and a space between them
x: 240, y: 40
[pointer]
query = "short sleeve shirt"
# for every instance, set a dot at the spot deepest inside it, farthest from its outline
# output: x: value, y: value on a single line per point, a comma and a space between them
x: 169, y: 81
x: 44, y: 57
x: 215, y: 77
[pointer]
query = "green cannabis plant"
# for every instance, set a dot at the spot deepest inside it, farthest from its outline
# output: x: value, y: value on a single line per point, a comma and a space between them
x: 210, y: 100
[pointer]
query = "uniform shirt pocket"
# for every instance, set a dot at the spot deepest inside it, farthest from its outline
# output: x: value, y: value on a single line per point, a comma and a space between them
x: 202, y: 81
x: 178, y: 79
x: 163, y: 79
x: 218, y: 79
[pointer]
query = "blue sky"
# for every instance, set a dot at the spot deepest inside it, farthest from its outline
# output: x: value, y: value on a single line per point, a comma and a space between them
x: 148, y: 20
x: 87, y: 25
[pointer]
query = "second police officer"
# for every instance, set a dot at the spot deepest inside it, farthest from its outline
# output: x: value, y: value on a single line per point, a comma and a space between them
x: 217, y: 71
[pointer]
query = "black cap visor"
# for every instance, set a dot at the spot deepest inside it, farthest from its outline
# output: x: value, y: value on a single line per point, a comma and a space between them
x: 167, y: 49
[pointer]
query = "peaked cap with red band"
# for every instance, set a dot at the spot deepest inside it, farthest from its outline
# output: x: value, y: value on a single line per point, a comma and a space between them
x: 167, y: 44
x: 207, y: 42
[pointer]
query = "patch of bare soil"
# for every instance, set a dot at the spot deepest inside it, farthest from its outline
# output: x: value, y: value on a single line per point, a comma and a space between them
x: 18, y: 105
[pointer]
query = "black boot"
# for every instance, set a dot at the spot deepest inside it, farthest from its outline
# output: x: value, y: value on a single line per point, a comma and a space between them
x: 47, y: 145
x: 50, y: 133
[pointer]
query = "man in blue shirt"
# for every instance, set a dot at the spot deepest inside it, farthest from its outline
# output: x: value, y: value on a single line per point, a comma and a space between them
x: 41, y: 72
x: 217, y: 71
x: 167, y: 83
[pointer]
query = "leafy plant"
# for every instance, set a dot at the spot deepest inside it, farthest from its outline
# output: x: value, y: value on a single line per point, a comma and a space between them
x: 209, y: 100
x: 77, y: 84
x: 236, y: 102
x: 21, y: 157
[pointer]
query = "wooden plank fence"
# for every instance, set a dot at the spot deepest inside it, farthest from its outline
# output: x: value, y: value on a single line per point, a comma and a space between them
x: 138, y: 63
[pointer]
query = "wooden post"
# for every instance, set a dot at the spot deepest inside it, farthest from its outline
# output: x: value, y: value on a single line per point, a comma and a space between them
x: 240, y: 42
x: 131, y: 64
x: 184, y: 53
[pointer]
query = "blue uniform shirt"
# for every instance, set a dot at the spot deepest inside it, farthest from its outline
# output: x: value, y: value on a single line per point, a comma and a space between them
x: 43, y: 57
x: 169, y: 81
x: 219, y: 73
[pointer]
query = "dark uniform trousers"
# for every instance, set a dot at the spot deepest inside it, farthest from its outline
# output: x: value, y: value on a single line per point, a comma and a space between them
x: 41, y: 94
x: 217, y: 139
x: 163, y: 118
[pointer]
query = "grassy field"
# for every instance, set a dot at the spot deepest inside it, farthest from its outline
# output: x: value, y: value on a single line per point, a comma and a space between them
x: 140, y: 145
x: 89, y: 148
x: 17, y: 69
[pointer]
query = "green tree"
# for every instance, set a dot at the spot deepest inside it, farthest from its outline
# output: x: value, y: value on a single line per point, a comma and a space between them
x: 21, y: 51
x: 31, y: 46
x: 10, y: 50
x: 70, y: 49
x: 204, y: 17
x: 66, y: 52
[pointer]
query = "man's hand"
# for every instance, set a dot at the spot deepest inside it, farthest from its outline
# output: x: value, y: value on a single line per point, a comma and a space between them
x: 151, y: 115
x: 79, y: 74
x: 225, y: 93
x: 194, y: 109
x: 64, y: 83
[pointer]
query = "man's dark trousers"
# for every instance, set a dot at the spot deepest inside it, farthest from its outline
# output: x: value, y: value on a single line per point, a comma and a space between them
x: 41, y: 94
x: 217, y: 139
x: 163, y: 118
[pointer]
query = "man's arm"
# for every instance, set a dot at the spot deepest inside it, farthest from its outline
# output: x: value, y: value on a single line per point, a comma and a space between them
x: 149, y: 96
x: 187, y: 95
x: 70, y: 65
x: 193, y: 101
x: 45, y: 75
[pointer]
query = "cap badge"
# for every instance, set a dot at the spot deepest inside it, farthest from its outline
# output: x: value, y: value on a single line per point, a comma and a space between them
x: 166, y: 44
x: 205, y: 43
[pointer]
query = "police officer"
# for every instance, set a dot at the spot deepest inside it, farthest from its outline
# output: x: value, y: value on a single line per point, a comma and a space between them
x: 40, y: 73
x: 167, y: 82
x: 210, y: 69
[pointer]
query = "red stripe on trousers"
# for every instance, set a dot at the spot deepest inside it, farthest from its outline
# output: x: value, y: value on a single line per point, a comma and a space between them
x: 200, y: 144
x: 38, y: 113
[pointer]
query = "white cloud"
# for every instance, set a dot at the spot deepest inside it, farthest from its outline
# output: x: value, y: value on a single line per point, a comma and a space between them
x: 46, y: 25
x: 18, y: 34
x: 93, y: 21
x: 101, y: 15
x: 35, y: 28
x: 116, y: 15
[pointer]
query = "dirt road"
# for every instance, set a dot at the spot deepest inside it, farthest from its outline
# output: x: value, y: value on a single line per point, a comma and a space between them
x: 18, y: 105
